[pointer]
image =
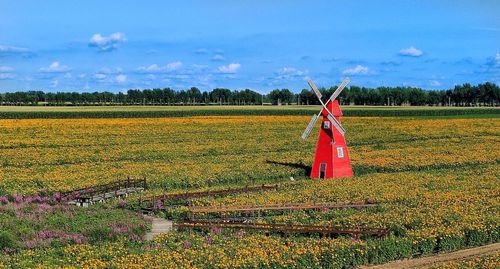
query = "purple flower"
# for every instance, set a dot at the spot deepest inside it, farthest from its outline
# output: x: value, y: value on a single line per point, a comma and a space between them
x: 28, y: 200
x: 44, y: 207
x: 186, y: 244
x: 120, y: 229
x: 30, y: 243
x: 216, y: 230
x: 4, y: 200
x: 57, y: 196
x: 134, y: 237
x: 19, y: 198
x: 239, y: 234
x: 37, y: 198
x: 122, y: 204
x: 209, y: 240
x: 158, y: 205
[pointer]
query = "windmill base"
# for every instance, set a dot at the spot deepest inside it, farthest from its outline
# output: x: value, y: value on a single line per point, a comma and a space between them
x: 332, y: 157
x: 334, y: 163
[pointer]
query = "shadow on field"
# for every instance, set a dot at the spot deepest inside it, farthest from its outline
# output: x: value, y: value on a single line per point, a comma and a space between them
x: 300, y: 165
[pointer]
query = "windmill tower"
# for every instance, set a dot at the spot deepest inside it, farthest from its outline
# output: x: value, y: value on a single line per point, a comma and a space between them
x: 332, y: 157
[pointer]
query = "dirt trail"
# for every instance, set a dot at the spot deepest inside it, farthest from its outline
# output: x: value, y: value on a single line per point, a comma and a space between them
x: 159, y: 226
x: 439, y: 258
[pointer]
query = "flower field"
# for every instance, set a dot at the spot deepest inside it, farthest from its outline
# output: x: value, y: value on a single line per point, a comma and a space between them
x: 179, y: 153
x: 437, y: 181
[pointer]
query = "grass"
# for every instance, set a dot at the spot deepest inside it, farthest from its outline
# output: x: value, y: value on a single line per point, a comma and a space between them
x: 435, y: 177
x: 19, y: 112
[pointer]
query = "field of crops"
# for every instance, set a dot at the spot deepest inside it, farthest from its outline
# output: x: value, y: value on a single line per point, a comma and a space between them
x: 436, y: 179
x: 35, y: 112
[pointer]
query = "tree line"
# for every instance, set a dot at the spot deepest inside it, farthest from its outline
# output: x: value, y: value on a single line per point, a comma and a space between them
x: 485, y: 94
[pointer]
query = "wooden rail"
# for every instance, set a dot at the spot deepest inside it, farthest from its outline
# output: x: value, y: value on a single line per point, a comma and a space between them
x: 276, y: 207
x: 170, y: 196
x: 155, y: 201
x: 289, y: 228
x: 104, y: 191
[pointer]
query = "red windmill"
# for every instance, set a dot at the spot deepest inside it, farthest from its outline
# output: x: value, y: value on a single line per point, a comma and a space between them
x: 332, y: 157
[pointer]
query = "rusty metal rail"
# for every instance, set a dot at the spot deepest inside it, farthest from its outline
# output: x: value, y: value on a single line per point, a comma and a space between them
x: 278, y: 207
x: 160, y: 200
x: 288, y: 228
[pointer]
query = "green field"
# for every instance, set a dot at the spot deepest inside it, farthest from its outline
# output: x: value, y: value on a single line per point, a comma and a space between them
x: 20, y: 112
x: 436, y: 179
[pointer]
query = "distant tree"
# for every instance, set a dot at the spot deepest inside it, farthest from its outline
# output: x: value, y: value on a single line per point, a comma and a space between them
x: 283, y: 96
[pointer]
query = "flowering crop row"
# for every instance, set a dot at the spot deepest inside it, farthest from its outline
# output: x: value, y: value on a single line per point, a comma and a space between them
x: 180, y: 153
x: 161, y: 112
x: 436, y: 181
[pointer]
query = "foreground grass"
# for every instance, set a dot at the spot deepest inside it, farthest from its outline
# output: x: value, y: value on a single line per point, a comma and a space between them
x: 428, y: 211
x: 35, y: 222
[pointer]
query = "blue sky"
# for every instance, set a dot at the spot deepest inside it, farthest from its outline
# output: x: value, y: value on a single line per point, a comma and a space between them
x: 261, y: 45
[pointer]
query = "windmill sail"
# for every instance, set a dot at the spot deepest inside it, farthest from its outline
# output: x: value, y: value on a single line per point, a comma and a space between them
x: 310, y: 126
x: 339, y: 89
x: 336, y: 124
x: 314, y: 89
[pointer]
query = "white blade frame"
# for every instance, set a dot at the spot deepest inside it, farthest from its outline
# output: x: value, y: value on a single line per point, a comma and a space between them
x: 330, y: 116
x: 315, y: 89
x: 310, y: 126
x: 336, y: 123
x: 339, y: 89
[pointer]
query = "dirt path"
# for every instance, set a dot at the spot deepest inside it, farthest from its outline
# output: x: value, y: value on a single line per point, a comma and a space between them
x: 159, y: 226
x: 439, y: 258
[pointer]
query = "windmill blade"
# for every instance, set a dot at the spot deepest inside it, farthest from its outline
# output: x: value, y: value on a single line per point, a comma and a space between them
x: 314, y: 89
x: 336, y: 124
x: 310, y: 126
x: 339, y: 89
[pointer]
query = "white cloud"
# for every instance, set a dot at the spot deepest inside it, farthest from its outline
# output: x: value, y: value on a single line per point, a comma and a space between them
x: 107, y: 43
x: 218, y: 57
x: 230, y: 68
x: 154, y: 68
x: 292, y: 72
x: 11, y: 49
x: 99, y: 76
x: 106, y: 70
x: 201, y: 51
x: 121, y: 78
x: 199, y: 66
x: 6, y: 69
x: 7, y: 76
x: 358, y: 70
x: 497, y: 57
x: 411, y: 51
x: 55, y: 67
x: 174, y: 66
x: 148, y: 69
x: 287, y: 74
x: 435, y: 83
